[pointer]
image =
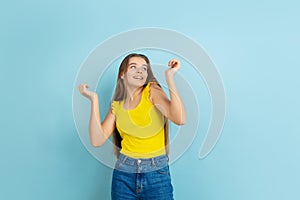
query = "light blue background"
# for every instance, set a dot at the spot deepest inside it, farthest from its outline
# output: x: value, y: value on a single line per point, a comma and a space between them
x: 254, y: 44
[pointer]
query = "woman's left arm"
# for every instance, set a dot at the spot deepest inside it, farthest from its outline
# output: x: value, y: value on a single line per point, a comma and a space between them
x: 174, y: 108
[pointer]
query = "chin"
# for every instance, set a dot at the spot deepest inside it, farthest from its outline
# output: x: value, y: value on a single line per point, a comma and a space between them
x: 138, y: 83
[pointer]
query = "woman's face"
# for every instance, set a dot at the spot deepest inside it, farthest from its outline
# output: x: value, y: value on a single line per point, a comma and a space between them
x: 137, y: 73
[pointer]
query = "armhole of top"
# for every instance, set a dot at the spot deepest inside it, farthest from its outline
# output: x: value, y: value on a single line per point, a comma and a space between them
x: 114, y: 107
x: 149, y: 91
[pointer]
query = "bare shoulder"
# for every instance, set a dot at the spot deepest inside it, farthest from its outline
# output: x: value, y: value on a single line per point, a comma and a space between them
x: 154, y: 86
x: 156, y: 93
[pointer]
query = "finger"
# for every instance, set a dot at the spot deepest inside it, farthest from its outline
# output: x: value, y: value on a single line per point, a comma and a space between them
x: 84, y: 86
x: 174, y: 63
x: 171, y: 61
x: 80, y: 87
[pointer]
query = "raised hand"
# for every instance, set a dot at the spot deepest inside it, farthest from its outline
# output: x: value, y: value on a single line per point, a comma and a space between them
x: 174, y: 65
x: 85, y: 92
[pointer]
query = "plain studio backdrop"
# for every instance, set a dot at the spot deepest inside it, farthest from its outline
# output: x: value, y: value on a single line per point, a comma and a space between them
x: 254, y: 45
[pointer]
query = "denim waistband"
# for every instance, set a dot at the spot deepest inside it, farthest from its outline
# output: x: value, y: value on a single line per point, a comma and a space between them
x: 136, y: 161
x: 137, y: 165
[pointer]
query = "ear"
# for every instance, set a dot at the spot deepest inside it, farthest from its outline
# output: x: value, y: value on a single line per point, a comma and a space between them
x: 122, y: 76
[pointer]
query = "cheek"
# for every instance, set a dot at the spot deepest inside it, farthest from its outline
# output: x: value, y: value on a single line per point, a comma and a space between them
x: 130, y: 72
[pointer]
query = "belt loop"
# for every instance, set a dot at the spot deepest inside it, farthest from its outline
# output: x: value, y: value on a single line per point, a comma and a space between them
x: 124, y: 159
x: 168, y: 159
x: 152, y: 162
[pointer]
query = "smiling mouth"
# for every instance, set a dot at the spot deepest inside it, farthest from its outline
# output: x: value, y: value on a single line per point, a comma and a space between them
x: 138, y: 77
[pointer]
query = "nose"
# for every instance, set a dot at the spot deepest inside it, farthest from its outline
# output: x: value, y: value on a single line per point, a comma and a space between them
x: 139, y: 70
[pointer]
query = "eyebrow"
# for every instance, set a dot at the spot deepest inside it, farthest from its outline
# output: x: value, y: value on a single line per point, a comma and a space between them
x: 136, y: 64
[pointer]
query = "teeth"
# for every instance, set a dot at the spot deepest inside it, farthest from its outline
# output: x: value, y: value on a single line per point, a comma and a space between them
x: 138, y: 77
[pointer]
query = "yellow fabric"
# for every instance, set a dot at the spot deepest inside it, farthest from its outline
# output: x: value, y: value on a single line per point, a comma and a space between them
x: 141, y: 129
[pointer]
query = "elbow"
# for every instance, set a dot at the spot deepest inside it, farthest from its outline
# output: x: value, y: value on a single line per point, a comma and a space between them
x: 182, y: 120
x: 96, y: 138
x: 178, y: 119
x: 180, y: 123
x: 96, y: 144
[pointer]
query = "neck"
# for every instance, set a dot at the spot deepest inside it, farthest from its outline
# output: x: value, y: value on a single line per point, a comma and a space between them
x: 131, y: 93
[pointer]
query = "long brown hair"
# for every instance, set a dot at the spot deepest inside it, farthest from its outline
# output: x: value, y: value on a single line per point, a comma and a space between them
x: 119, y: 95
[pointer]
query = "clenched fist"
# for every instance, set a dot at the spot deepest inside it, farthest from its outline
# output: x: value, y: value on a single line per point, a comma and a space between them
x: 174, y: 65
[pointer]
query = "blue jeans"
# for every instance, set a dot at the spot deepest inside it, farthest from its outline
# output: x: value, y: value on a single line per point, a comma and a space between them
x: 147, y: 179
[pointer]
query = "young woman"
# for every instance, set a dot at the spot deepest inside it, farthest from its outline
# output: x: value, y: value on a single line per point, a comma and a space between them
x: 138, y: 119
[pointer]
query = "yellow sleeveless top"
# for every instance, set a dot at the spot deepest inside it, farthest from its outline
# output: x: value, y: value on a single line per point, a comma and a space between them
x: 141, y: 128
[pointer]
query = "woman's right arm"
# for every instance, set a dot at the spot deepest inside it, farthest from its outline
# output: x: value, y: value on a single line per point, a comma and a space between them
x: 99, y: 132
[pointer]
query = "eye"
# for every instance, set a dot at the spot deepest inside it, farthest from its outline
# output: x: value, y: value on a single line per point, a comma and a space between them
x: 145, y: 68
x: 132, y: 67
